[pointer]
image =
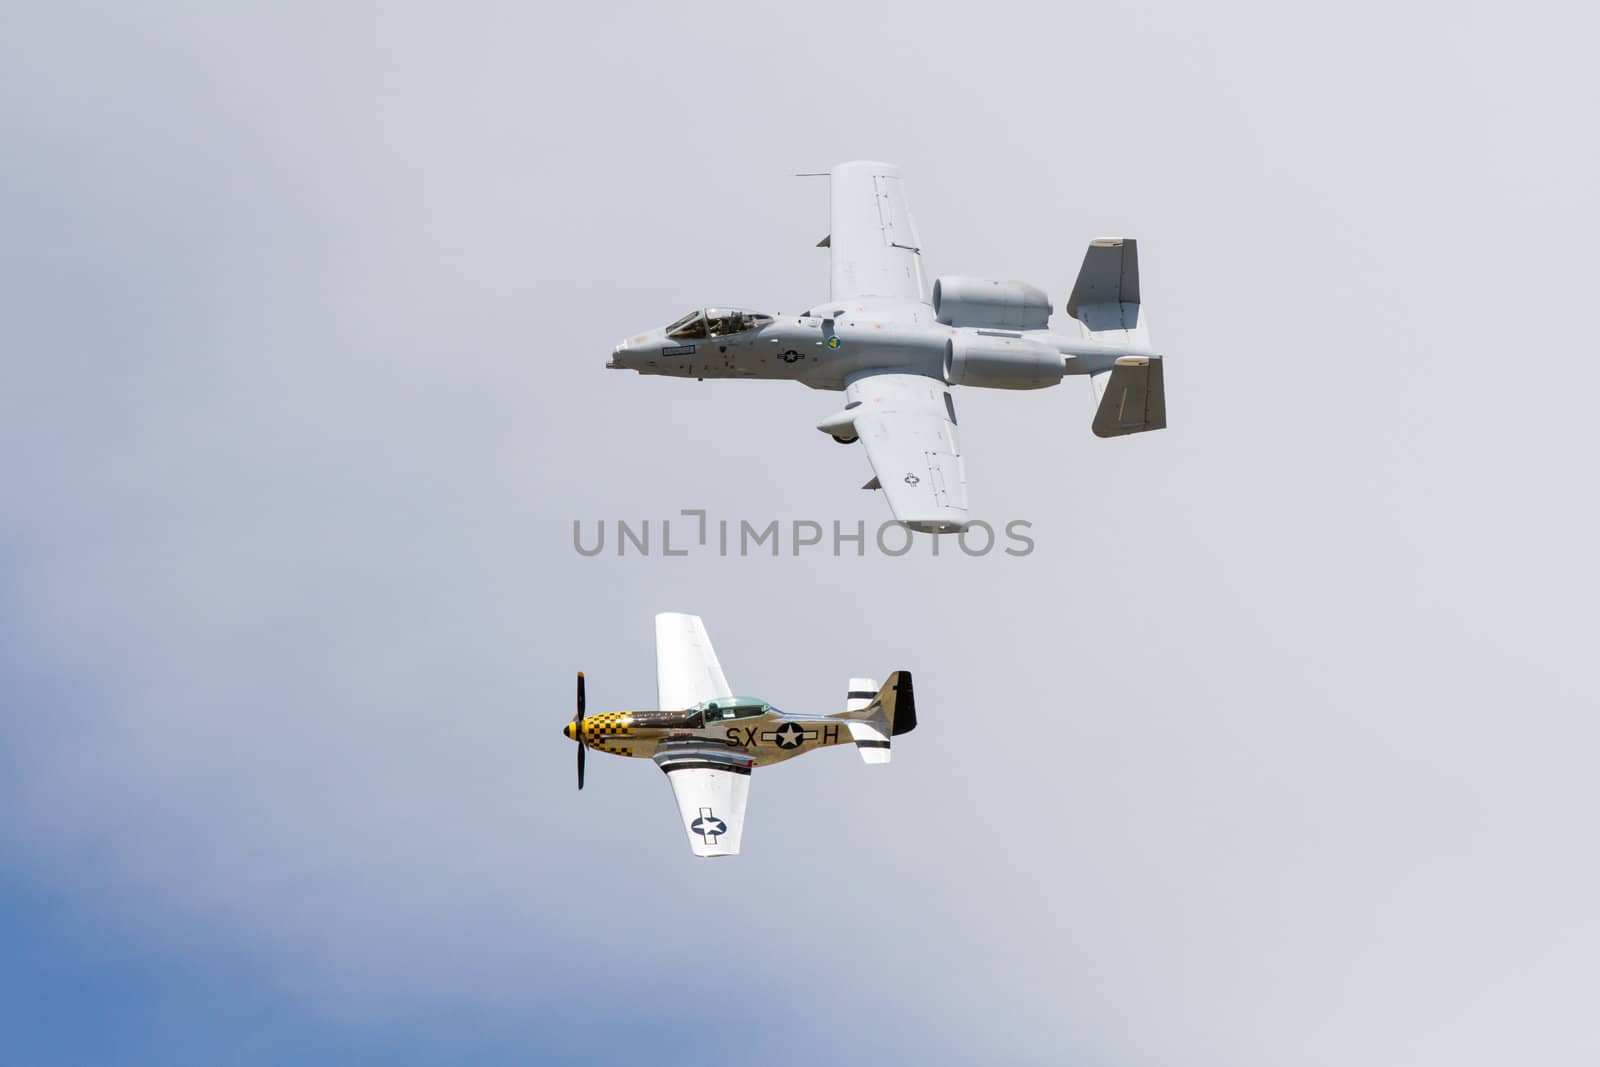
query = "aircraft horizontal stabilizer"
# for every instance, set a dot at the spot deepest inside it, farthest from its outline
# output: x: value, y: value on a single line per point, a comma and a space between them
x: 871, y: 735
x: 875, y: 715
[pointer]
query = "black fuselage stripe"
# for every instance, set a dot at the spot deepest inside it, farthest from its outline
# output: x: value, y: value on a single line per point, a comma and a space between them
x: 704, y: 765
x: 872, y: 744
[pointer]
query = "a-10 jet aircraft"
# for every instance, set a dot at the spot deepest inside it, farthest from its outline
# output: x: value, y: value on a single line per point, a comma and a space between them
x: 895, y: 348
x: 708, y: 740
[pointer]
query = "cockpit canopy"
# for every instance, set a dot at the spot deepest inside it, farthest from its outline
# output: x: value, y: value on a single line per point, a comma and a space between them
x: 715, y: 322
x: 725, y: 708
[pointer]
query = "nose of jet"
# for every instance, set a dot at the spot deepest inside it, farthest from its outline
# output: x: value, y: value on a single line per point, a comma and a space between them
x: 619, y: 356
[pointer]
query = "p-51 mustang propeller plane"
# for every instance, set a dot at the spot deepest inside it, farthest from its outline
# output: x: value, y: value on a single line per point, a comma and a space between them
x: 709, y: 740
x: 895, y: 349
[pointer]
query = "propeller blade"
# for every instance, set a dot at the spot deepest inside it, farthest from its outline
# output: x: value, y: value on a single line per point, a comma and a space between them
x: 577, y: 728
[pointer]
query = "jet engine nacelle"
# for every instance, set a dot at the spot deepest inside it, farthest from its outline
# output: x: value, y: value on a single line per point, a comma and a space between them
x: 996, y: 305
x: 1002, y: 363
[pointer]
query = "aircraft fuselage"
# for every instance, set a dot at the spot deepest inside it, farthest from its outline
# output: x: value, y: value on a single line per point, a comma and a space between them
x: 824, y: 351
x: 769, y: 737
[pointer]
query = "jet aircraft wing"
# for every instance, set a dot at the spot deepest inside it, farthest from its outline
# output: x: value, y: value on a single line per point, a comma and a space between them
x: 907, y: 424
x: 873, y: 243
x: 711, y: 785
x: 687, y: 671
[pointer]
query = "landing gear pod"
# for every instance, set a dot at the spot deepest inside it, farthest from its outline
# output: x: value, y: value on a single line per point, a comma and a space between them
x: 841, y: 426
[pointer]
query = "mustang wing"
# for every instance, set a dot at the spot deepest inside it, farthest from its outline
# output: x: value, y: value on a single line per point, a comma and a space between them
x: 907, y: 423
x: 873, y: 243
x: 687, y: 671
x: 711, y: 785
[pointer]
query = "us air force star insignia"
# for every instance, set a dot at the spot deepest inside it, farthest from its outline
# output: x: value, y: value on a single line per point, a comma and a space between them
x: 708, y: 826
x: 789, y: 356
x: 790, y: 735
x: 912, y: 479
x: 833, y: 342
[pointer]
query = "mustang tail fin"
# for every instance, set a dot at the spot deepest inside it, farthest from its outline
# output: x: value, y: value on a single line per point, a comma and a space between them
x: 874, y: 715
x: 1131, y: 397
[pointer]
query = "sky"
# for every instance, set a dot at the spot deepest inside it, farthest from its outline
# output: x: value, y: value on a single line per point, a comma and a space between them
x: 1276, y: 749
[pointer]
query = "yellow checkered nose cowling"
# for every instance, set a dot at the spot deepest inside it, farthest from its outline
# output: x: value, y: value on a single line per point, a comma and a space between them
x: 593, y: 730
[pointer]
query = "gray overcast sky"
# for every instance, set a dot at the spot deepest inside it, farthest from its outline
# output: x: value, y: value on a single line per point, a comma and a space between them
x: 1277, y: 750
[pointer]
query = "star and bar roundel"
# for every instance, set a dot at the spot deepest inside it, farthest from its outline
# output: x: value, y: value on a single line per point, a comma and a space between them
x: 789, y: 735
x: 709, y: 826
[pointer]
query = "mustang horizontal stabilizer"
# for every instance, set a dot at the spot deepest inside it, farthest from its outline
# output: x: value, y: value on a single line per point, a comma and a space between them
x: 870, y: 735
x: 875, y: 715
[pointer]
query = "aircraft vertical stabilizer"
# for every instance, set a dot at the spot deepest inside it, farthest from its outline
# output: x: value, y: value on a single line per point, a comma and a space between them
x: 1131, y: 397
